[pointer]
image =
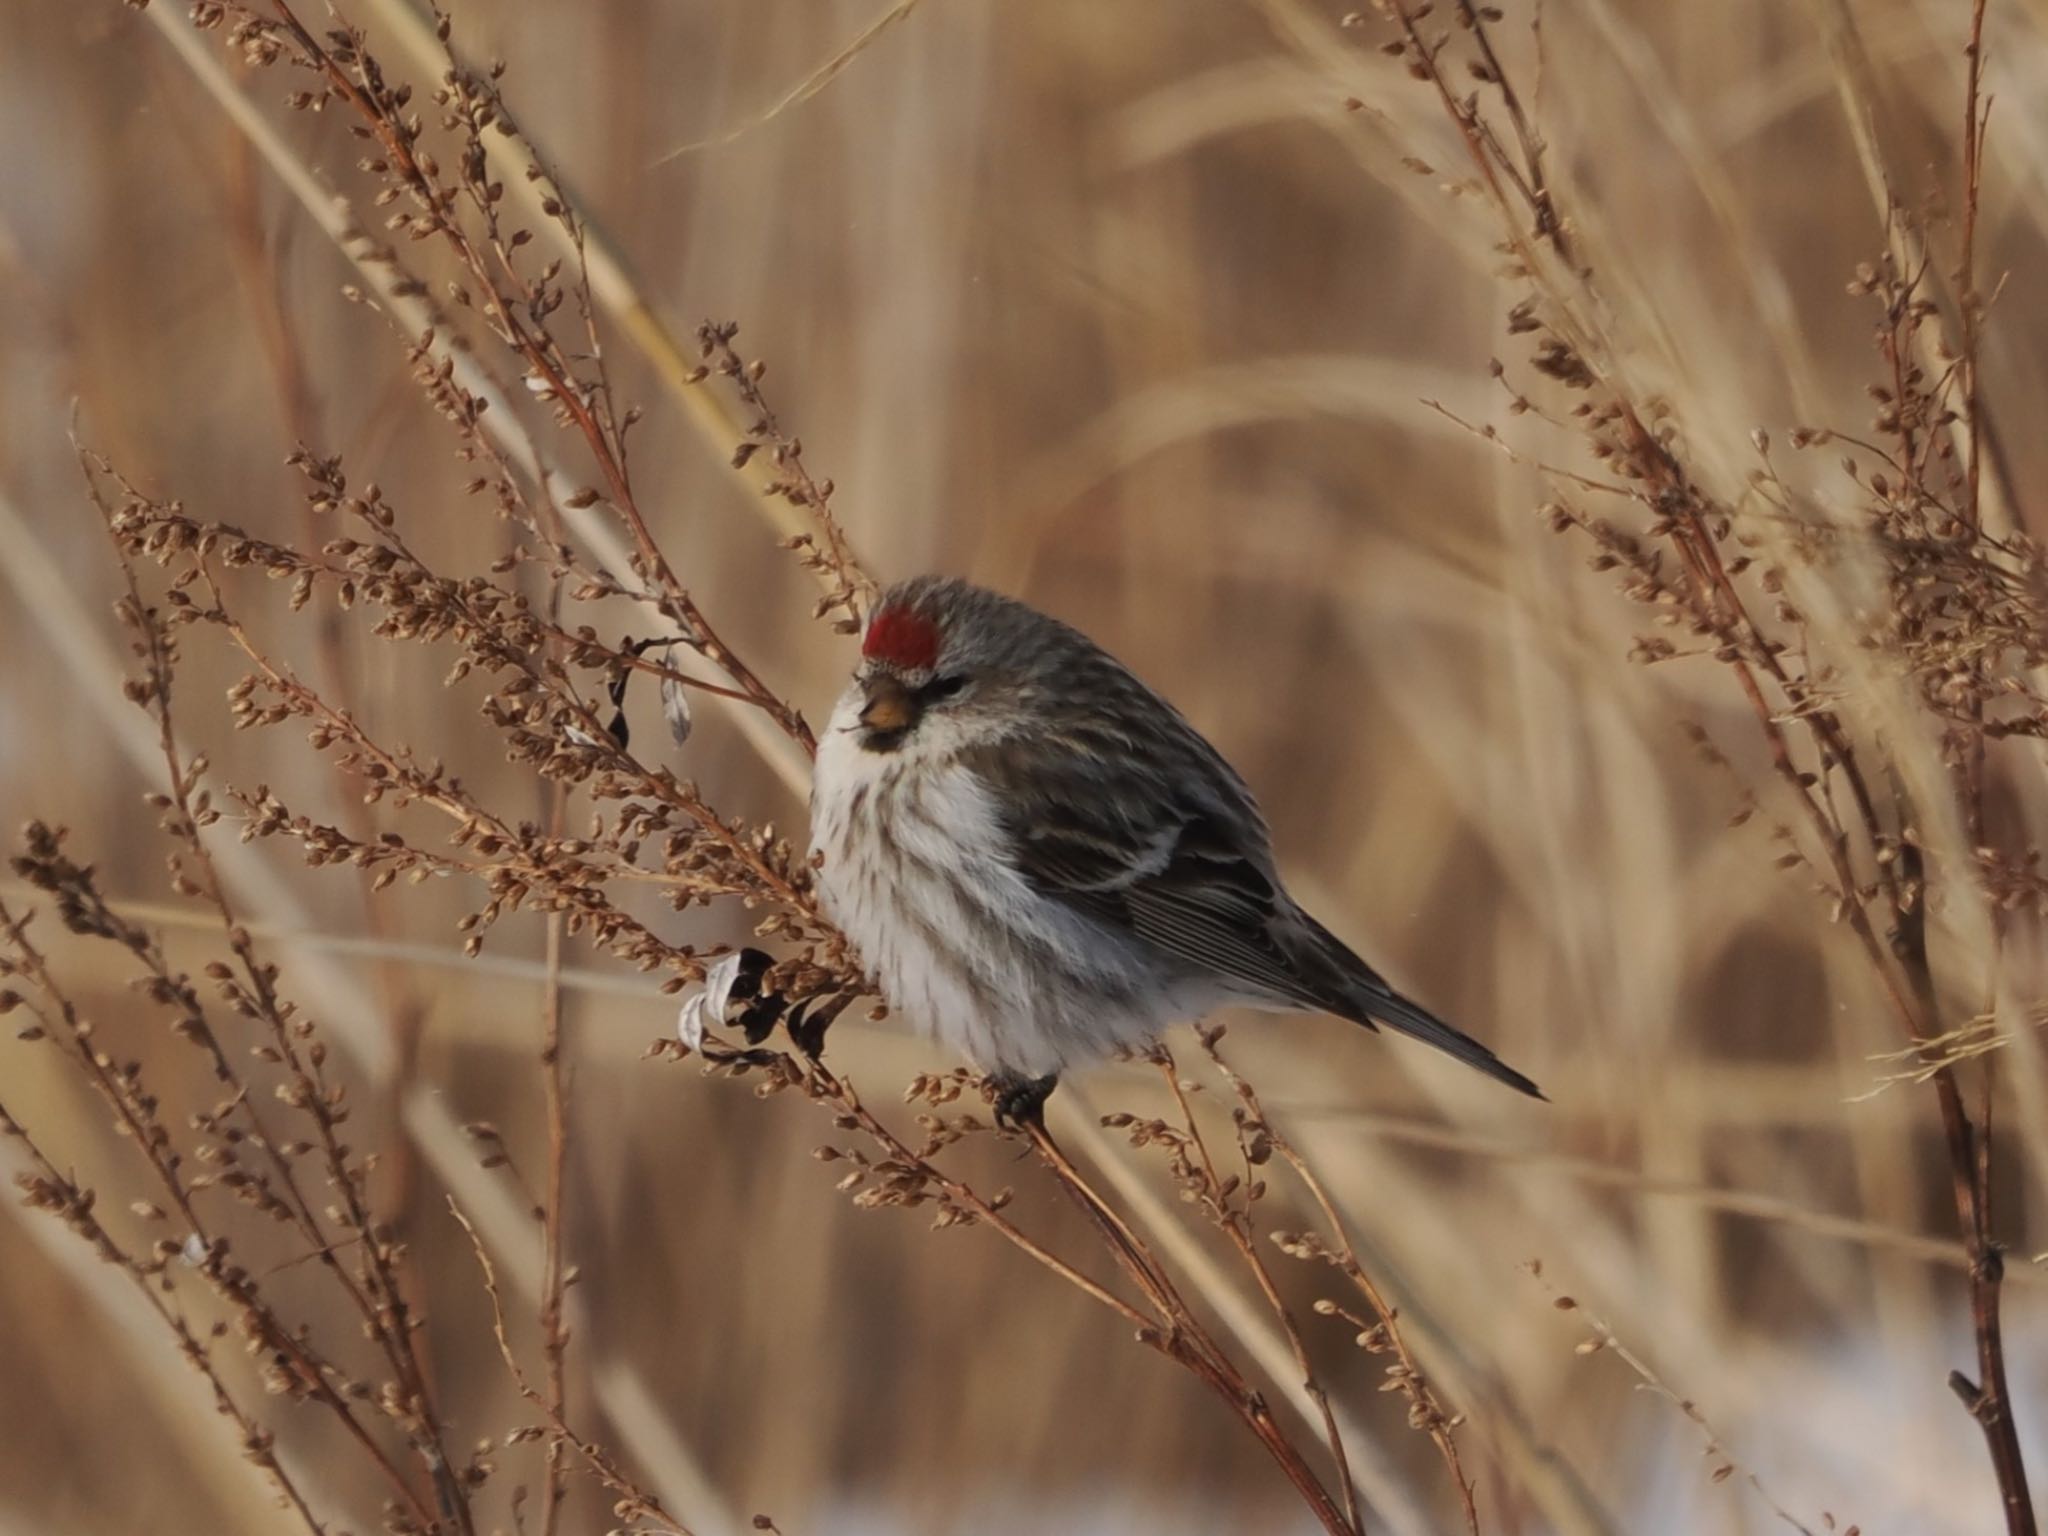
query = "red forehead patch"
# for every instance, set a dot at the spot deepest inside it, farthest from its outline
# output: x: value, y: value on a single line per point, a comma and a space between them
x: 902, y: 638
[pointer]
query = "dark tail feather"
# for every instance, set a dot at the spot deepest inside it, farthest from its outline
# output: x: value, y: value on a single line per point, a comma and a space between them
x: 1382, y: 1003
x: 1345, y: 985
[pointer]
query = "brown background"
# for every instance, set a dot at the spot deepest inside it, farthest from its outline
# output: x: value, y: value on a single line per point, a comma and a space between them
x: 1115, y: 306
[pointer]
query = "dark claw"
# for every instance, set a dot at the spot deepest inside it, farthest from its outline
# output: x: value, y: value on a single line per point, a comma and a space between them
x: 1020, y: 1101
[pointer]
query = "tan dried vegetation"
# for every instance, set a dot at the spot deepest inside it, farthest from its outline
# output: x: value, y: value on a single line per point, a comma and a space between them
x: 1247, y: 337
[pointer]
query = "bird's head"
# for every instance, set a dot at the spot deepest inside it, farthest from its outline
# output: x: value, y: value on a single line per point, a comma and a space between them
x: 940, y: 658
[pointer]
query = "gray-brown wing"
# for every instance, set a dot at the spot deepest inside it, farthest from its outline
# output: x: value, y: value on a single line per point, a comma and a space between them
x: 1161, y: 851
x: 1177, y: 860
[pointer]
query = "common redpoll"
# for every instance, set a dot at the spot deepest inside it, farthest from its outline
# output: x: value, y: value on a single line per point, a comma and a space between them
x: 1041, y: 862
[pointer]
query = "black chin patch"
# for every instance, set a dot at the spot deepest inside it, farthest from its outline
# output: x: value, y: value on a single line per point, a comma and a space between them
x: 884, y: 741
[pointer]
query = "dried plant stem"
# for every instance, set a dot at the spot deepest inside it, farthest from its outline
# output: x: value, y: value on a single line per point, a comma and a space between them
x: 1256, y: 1127
x: 400, y: 296
x: 376, y: 1292
x: 620, y: 295
x: 553, y: 1324
x: 1976, y: 113
x: 814, y: 80
x: 426, y: 1119
x: 1989, y: 1398
x: 636, y: 1503
x: 1172, y: 1329
x: 51, y: 1189
x: 1605, y: 1338
x: 1684, y: 516
x: 1181, y: 1336
x: 262, y: 282
x: 554, y: 1329
x: 1238, y: 1228
x: 513, y: 296
x: 826, y: 1087
x: 1855, y: 79
x: 309, y: 1371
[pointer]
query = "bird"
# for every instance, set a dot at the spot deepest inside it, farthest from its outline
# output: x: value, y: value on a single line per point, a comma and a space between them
x: 1042, y: 863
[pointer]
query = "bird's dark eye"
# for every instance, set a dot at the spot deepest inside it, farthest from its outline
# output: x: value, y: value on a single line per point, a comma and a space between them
x: 940, y: 689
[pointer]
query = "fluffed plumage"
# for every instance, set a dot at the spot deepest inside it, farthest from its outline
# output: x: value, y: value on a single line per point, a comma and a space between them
x: 1041, y: 861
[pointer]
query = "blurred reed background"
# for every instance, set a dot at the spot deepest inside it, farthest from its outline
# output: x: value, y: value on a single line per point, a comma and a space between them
x: 1118, y: 307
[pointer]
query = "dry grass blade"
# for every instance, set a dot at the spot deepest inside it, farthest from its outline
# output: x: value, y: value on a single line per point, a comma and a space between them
x: 1605, y: 1338
x: 1307, y: 360
x: 401, y: 296
x: 811, y: 84
x: 428, y: 50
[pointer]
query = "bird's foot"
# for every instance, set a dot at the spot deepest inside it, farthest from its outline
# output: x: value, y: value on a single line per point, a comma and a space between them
x: 1020, y: 1101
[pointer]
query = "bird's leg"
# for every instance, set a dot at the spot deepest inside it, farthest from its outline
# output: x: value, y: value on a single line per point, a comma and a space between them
x: 1020, y: 1100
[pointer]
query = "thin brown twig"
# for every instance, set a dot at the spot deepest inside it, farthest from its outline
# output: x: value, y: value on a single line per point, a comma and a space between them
x: 360, y: 86
x: 53, y: 1190
x: 1181, y: 1336
x: 636, y: 1502
x: 1425, y: 1412
x: 1237, y: 1226
x: 553, y: 1323
x: 1683, y: 514
x: 554, y: 1077
x: 1606, y: 1339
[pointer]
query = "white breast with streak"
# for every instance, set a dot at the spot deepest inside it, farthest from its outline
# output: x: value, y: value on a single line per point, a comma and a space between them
x: 917, y: 873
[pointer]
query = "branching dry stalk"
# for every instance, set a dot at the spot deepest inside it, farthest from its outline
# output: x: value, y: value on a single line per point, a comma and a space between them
x: 900, y: 1174
x: 1180, y: 1335
x: 1965, y: 622
x: 1258, y: 1141
x: 1604, y: 1338
x: 50, y: 1189
x: 633, y: 1502
x: 1227, y: 1200
x: 1966, y: 618
x: 545, y: 677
